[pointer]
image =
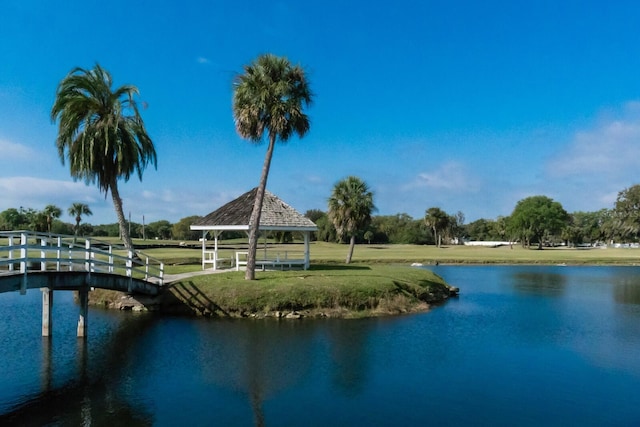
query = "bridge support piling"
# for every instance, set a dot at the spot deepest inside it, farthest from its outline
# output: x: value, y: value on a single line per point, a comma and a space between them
x: 83, y: 298
x: 47, y: 311
x: 47, y: 366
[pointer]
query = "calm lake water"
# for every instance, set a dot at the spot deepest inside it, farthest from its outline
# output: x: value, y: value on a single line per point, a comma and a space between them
x: 522, y: 345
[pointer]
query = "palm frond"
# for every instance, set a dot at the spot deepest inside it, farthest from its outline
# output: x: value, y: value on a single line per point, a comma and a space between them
x: 350, y: 206
x: 270, y: 96
x: 100, y: 130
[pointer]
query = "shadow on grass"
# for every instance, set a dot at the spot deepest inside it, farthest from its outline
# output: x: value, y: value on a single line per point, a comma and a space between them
x: 338, y: 267
x: 186, y: 297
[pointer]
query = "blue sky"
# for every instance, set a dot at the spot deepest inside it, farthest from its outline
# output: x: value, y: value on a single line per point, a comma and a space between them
x: 465, y: 105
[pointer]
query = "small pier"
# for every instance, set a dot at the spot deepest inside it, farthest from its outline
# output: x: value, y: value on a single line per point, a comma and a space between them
x: 51, y: 262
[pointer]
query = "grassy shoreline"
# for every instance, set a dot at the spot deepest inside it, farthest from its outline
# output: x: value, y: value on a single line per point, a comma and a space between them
x: 323, y: 291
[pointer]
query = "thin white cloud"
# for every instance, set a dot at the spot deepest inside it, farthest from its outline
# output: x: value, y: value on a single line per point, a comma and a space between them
x: 611, y: 148
x: 13, y: 151
x: 37, y: 188
x: 175, y: 204
x: 36, y: 193
x: 451, y: 176
x: 598, y: 162
x: 314, y: 179
x: 202, y: 60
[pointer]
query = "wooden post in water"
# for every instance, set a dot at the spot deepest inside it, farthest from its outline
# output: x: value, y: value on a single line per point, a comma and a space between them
x: 83, y: 299
x: 47, y: 366
x: 47, y: 309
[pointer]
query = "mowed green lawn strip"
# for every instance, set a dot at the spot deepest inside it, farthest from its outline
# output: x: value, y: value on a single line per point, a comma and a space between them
x: 180, y: 260
x: 426, y: 254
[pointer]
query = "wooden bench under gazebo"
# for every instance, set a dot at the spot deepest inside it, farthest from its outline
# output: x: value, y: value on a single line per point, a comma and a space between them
x: 234, y: 216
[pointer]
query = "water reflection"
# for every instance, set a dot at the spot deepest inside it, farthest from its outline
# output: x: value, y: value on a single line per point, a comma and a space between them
x: 533, y: 359
x: 262, y: 359
x: 543, y: 283
x: 348, y: 341
x: 91, y: 396
x: 626, y: 289
x: 257, y: 358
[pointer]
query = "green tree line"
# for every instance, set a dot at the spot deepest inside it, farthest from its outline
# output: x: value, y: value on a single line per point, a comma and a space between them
x: 538, y: 220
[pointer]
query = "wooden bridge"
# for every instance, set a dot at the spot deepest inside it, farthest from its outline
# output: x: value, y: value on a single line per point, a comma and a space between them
x: 30, y: 260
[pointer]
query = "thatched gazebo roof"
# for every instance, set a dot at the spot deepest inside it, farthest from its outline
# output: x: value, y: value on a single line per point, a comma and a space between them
x: 276, y: 216
x: 235, y: 215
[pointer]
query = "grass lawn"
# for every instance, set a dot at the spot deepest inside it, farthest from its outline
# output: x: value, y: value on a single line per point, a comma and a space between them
x: 188, y: 258
x: 483, y: 255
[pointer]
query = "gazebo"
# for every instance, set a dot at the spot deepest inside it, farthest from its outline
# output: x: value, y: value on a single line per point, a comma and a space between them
x: 234, y: 216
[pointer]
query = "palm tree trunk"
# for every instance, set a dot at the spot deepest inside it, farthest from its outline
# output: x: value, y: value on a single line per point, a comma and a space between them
x: 75, y: 231
x: 117, y: 204
x: 352, y: 244
x: 435, y: 236
x: 254, y: 222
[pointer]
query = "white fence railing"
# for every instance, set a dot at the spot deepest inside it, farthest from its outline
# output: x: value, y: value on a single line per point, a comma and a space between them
x: 24, y: 251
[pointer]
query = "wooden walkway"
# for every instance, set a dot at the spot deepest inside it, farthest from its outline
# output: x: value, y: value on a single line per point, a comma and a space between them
x: 33, y: 260
x: 172, y: 278
x: 50, y: 262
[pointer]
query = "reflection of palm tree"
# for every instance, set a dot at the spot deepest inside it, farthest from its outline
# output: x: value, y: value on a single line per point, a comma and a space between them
x: 349, y: 354
x: 256, y: 381
x: 101, y: 133
x: 250, y: 356
x: 270, y: 97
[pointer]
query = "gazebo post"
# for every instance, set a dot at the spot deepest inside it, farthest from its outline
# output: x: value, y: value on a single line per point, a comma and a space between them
x: 265, y: 245
x: 216, y: 233
x: 306, y: 249
x: 204, y: 247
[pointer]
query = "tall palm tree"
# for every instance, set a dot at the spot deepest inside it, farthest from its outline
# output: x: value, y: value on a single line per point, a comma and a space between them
x: 101, y: 133
x: 51, y: 212
x: 438, y: 220
x: 269, y: 96
x: 350, y: 209
x: 77, y: 210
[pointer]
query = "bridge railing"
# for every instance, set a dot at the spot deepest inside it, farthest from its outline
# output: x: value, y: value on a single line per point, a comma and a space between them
x: 24, y: 251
